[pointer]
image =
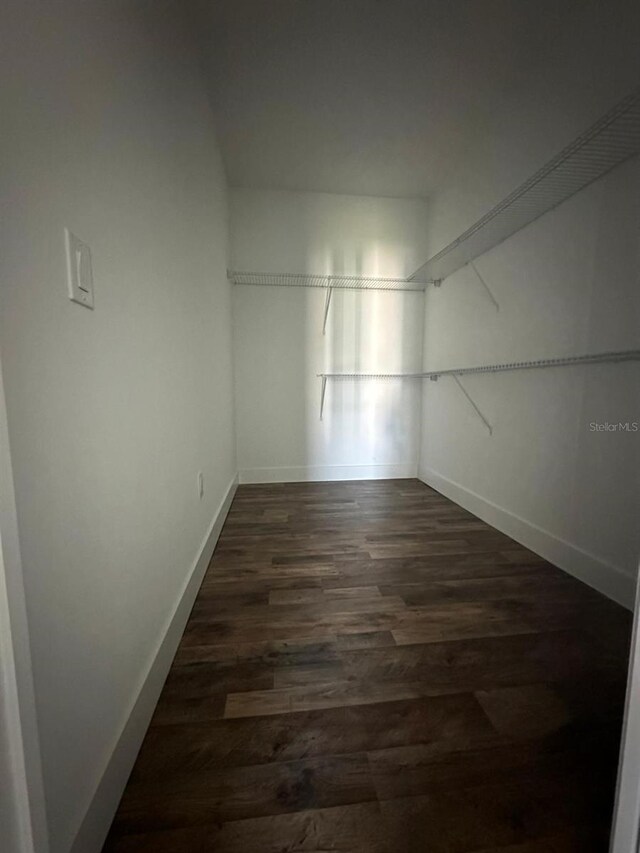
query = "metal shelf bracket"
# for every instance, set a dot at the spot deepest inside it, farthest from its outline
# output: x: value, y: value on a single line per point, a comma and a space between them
x: 485, y: 285
x: 469, y: 398
x: 323, y: 391
x: 327, y: 304
x: 473, y: 404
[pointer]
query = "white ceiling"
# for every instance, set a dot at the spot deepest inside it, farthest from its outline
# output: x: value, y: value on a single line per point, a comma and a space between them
x: 383, y: 97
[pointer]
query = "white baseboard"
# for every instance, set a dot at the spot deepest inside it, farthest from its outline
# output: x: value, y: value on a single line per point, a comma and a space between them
x: 104, y: 802
x: 322, y: 473
x: 608, y: 579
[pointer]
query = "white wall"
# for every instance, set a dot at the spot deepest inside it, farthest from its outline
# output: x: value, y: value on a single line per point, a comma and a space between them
x: 22, y: 815
x: 112, y: 412
x: 626, y: 814
x: 369, y: 429
x: 23, y: 826
x: 568, y: 284
x: 589, y: 64
x: 15, y: 823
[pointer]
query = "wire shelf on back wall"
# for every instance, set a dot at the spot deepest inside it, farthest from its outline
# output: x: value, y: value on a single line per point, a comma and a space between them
x: 606, y: 144
x: 344, y: 282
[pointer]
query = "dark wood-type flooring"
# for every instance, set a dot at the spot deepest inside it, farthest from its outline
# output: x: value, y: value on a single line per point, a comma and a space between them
x: 370, y: 668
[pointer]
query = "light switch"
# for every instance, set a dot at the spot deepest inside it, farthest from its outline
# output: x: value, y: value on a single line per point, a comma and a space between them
x: 79, y: 271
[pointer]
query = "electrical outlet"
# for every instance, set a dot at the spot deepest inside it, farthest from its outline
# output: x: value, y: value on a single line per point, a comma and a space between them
x: 201, y: 484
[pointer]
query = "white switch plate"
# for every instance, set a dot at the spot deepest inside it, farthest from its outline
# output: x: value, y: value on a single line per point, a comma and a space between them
x: 79, y: 271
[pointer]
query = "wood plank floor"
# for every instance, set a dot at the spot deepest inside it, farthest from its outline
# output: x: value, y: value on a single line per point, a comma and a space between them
x: 370, y: 668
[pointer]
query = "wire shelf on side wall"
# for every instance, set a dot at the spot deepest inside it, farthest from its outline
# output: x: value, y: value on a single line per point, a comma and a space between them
x: 607, y: 143
x: 611, y: 357
x: 562, y: 361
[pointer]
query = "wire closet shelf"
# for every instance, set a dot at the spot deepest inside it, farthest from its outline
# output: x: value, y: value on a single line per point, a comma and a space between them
x: 456, y: 372
x: 326, y: 281
x: 607, y: 143
x: 595, y: 358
